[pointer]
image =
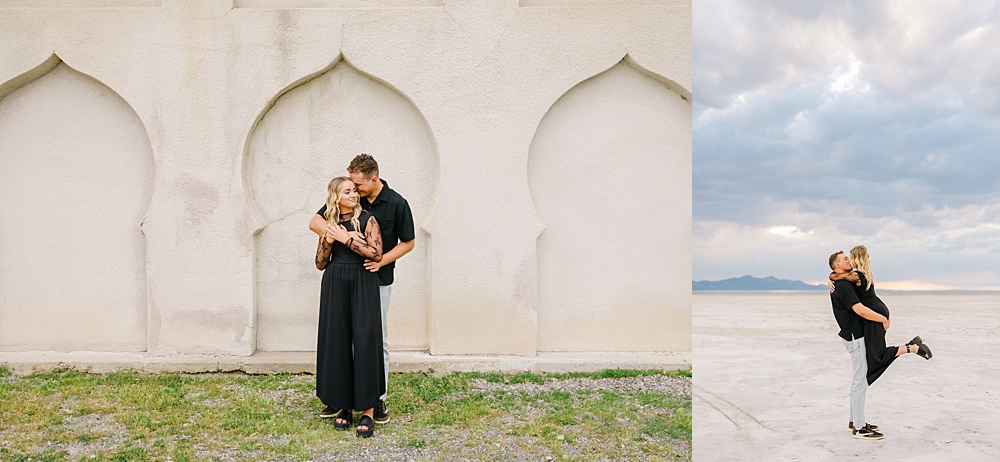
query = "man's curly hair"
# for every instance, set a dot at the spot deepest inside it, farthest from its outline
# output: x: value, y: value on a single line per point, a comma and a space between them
x: 365, y: 164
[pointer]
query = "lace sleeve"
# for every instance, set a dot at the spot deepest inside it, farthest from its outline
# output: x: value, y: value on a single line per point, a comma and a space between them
x: 323, y: 253
x: 372, y: 249
x: 849, y: 277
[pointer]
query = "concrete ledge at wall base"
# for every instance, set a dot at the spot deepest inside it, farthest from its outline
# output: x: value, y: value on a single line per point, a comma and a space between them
x: 298, y: 362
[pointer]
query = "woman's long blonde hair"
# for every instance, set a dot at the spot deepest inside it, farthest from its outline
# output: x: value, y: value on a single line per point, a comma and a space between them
x: 333, y: 207
x: 861, y: 262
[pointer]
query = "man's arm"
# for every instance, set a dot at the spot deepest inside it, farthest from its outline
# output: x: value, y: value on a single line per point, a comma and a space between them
x: 404, y: 223
x: 317, y: 224
x: 868, y: 313
x: 845, y: 293
x: 398, y: 251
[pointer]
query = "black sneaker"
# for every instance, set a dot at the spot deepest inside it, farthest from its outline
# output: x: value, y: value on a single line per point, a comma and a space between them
x: 851, y: 426
x: 329, y: 412
x: 381, y: 413
x: 866, y: 433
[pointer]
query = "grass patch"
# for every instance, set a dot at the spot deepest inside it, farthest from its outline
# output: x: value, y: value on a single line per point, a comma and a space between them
x: 416, y: 443
x: 543, y: 377
x: 70, y: 415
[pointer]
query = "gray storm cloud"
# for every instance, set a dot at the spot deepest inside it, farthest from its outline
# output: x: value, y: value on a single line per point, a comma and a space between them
x: 855, y: 122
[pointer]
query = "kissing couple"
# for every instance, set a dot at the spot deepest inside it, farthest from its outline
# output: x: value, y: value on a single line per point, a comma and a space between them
x: 863, y: 320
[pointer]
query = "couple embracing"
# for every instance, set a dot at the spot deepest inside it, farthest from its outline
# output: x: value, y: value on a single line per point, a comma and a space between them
x: 363, y: 227
x: 863, y: 320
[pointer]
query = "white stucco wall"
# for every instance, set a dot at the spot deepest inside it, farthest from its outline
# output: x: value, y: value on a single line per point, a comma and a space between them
x: 246, y: 108
x: 308, y: 137
x: 608, y: 165
x: 76, y: 173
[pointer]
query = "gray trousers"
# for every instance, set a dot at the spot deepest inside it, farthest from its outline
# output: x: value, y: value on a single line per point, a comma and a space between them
x: 859, y: 380
x: 384, y: 292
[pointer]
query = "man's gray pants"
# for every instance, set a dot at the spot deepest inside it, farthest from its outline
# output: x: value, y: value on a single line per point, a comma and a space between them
x: 384, y: 292
x: 859, y: 380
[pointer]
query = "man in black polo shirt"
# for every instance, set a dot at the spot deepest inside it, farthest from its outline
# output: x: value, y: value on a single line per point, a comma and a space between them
x: 396, y: 223
x: 849, y: 311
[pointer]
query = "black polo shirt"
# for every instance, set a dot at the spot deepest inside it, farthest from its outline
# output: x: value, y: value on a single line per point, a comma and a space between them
x: 394, y: 219
x: 843, y: 298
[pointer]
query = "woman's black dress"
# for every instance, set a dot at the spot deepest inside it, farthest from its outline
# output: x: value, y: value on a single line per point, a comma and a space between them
x: 349, y: 369
x: 879, y: 356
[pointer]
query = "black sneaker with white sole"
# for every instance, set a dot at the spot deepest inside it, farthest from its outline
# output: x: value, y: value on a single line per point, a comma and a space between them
x: 328, y: 412
x: 381, y: 413
x: 866, y: 433
x: 851, y: 426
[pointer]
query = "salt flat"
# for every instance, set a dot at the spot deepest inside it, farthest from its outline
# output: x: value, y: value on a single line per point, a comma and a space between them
x: 772, y: 380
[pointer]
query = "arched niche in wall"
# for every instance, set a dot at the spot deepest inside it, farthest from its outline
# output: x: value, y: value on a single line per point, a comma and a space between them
x: 76, y: 177
x: 308, y: 136
x: 609, y: 173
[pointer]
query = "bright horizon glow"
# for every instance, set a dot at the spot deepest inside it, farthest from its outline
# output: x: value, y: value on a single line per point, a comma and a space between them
x: 912, y: 284
x: 923, y: 285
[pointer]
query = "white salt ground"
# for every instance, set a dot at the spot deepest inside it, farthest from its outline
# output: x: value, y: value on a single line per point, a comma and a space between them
x: 772, y: 379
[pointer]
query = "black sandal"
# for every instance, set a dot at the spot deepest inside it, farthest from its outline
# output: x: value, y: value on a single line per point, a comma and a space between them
x: 368, y: 423
x: 922, y: 350
x: 345, y: 415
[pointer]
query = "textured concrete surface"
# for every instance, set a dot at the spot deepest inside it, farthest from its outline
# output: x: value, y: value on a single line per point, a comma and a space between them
x: 580, y: 147
x: 251, y: 106
x: 76, y: 174
x: 22, y: 363
x: 771, y: 380
x: 310, y: 134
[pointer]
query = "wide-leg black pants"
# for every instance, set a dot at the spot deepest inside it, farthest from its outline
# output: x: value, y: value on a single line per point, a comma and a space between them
x: 349, y: 370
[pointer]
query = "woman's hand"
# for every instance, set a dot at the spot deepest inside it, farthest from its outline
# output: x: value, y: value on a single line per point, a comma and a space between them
x: 335, y: 232
x: 830, y: 284
x: 886, y: 324
x: 358, y: 237
x: 328, y: 233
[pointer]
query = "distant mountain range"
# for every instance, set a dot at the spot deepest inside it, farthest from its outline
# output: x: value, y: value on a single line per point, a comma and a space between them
x: 752, y: 283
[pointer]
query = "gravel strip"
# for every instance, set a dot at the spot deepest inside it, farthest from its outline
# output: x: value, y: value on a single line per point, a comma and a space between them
x: 651, y: 384
x: 107, y: 435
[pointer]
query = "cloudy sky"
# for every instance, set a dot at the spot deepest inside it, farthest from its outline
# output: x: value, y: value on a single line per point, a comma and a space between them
x: 819, y: 125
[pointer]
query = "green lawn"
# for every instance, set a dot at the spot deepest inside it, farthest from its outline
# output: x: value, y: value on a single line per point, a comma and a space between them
x: 71, y: 415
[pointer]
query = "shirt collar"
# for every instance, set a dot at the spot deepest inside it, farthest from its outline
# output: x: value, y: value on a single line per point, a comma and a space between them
x: 382, y: 194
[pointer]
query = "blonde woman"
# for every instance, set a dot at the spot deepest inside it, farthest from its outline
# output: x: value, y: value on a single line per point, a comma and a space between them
x: 879, y: 356
x: 349, y: 370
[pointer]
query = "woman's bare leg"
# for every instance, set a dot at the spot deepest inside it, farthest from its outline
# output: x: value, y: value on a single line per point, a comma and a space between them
x: 908, y: 348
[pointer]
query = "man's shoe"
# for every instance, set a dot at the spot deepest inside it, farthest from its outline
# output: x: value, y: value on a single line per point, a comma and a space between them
x: 381, y: 413
x: 866, y: 433
x: 328, y: 412
x: 851, y: 426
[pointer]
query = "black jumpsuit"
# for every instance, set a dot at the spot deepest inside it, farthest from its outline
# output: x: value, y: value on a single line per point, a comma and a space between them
x: 349, y: 369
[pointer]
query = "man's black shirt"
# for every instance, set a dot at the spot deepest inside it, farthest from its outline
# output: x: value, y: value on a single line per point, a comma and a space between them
x: 394, y: 219
x: 843, y: 298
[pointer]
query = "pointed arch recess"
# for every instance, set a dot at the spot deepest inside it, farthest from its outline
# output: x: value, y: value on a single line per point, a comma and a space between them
x: 76, y: 175
x: 305, y: 136
x: 610, y: 162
